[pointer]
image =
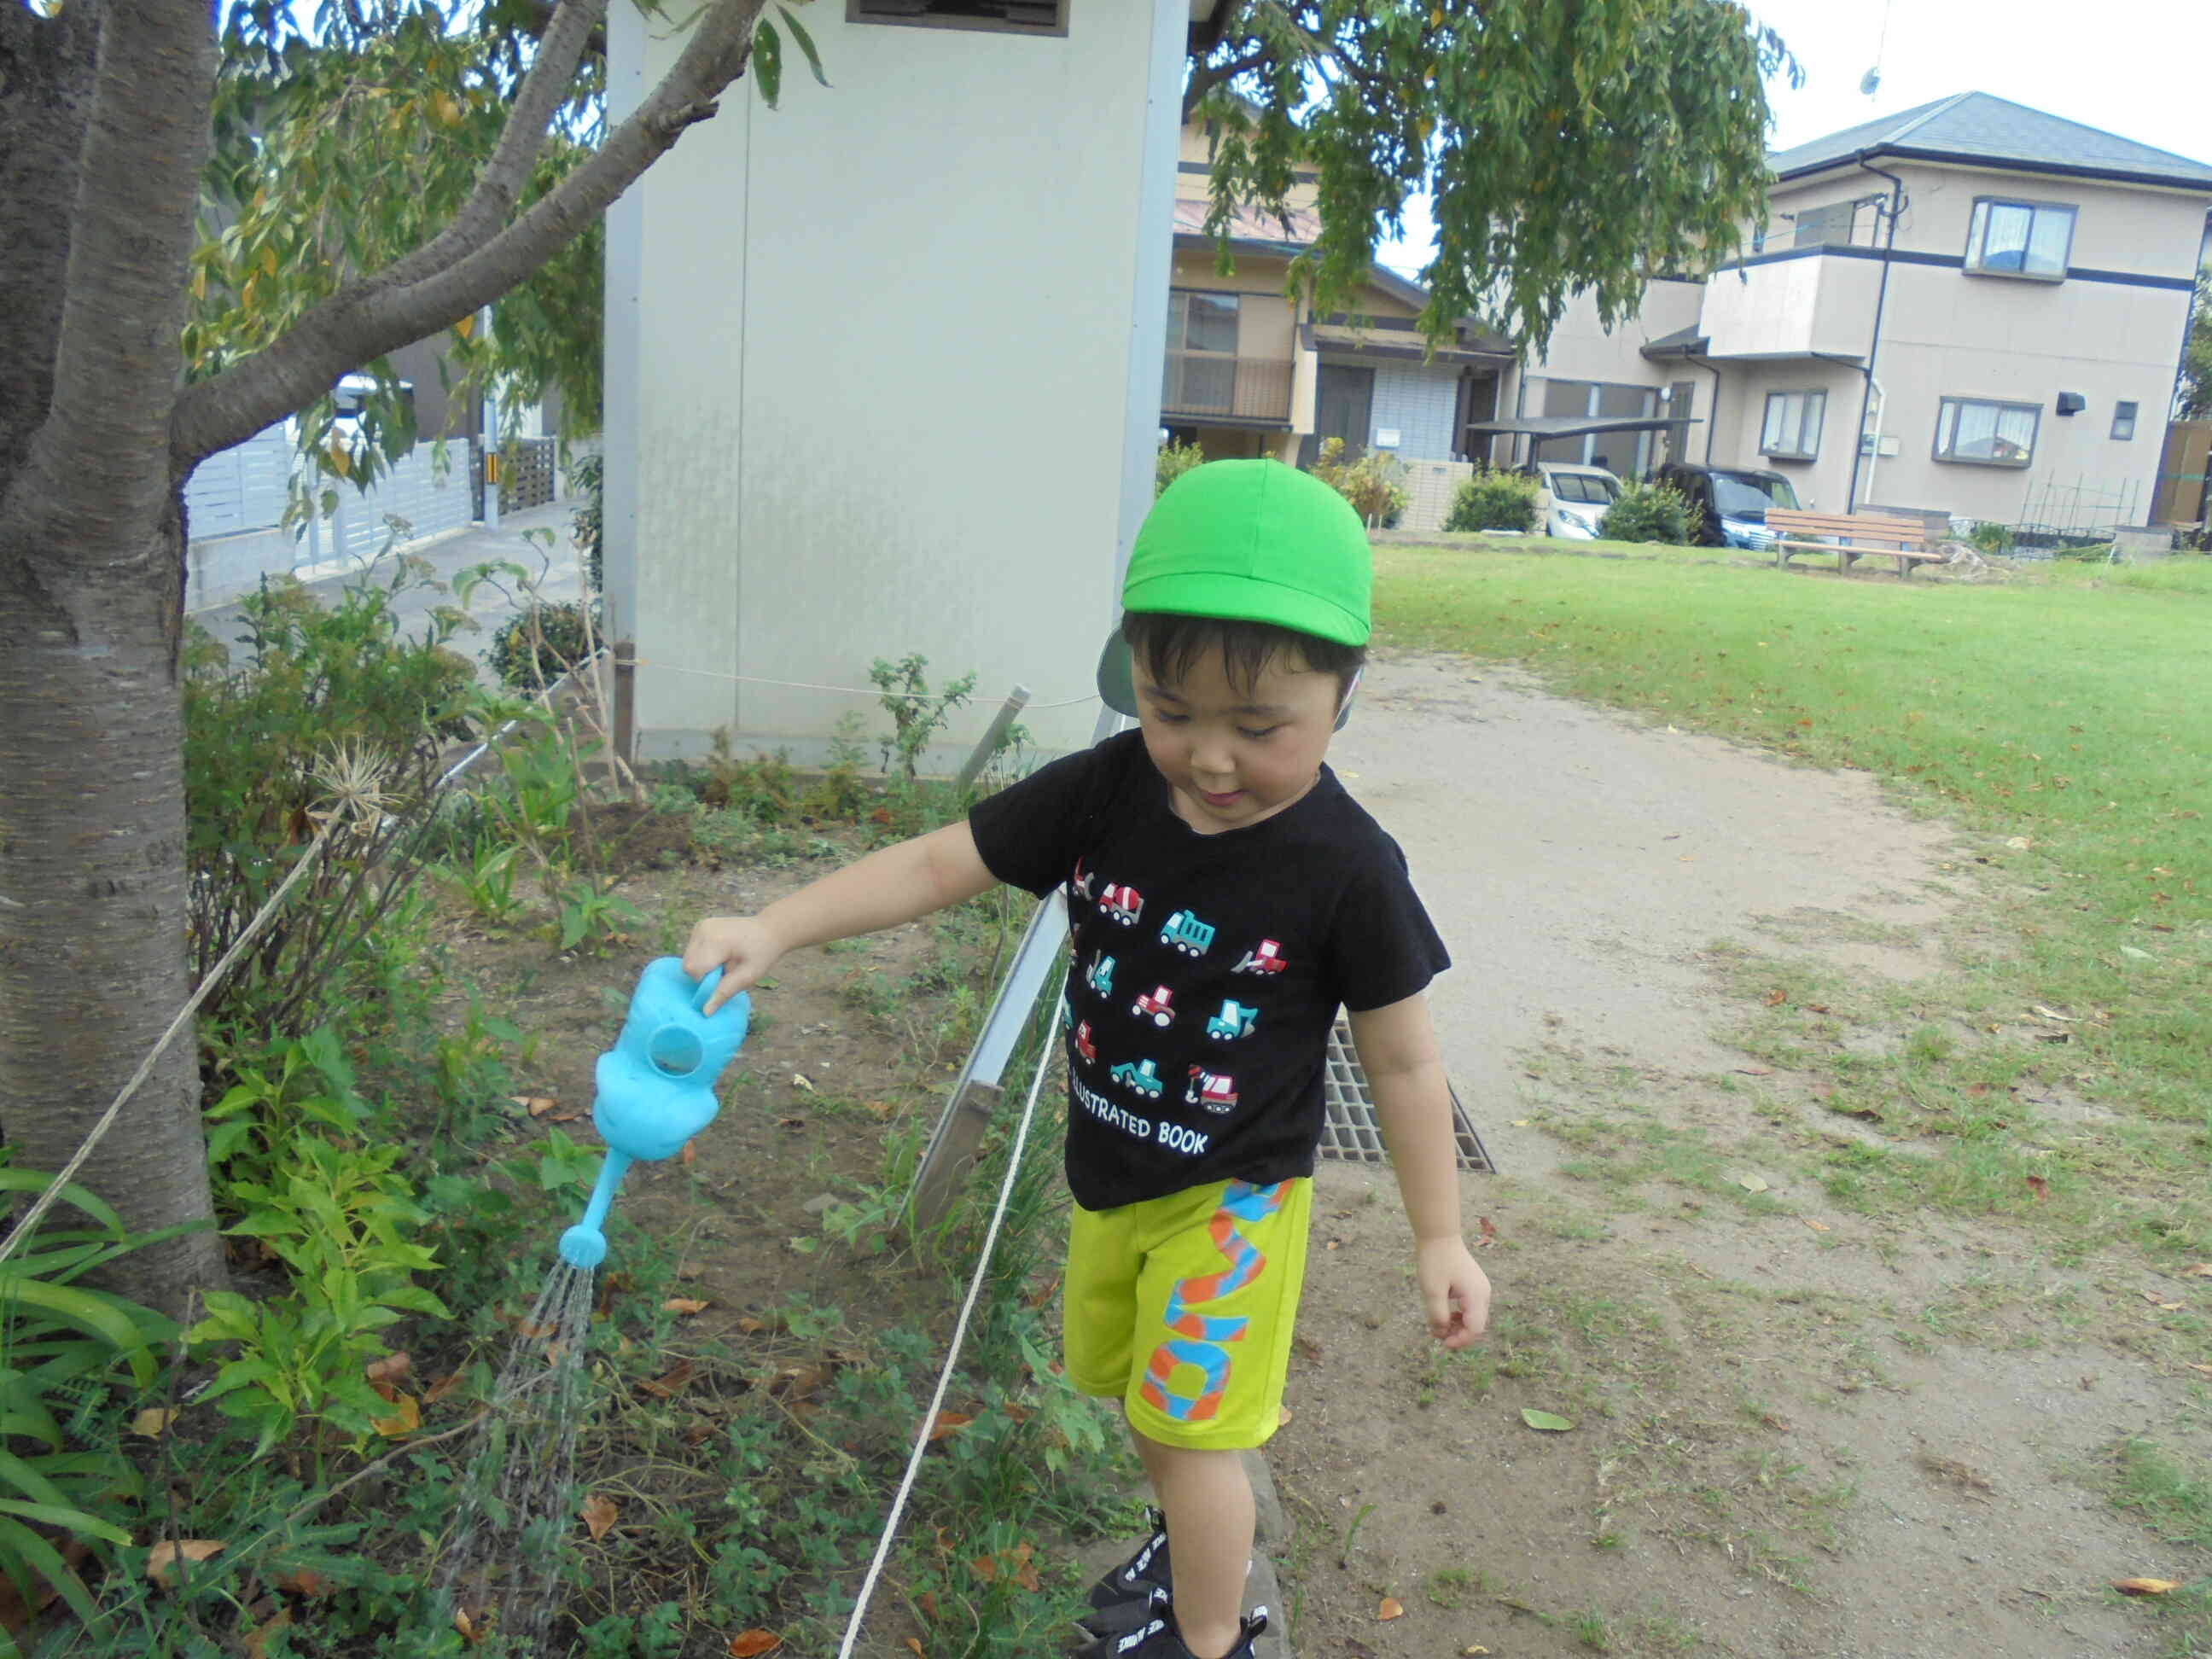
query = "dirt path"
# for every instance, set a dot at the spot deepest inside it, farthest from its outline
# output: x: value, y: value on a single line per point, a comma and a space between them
x: 1801, y: 1428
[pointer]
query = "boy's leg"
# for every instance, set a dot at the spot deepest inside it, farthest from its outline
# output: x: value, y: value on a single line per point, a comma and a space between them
x: 1207, y: 1498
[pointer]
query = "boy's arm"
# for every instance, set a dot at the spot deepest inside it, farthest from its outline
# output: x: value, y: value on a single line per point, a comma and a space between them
x: 1398, y: 1051
x: 893, y: 885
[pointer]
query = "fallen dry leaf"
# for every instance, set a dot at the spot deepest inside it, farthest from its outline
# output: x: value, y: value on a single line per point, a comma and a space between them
x: 2200, y: 1270
x: 2040, y: 1187
x: 689, y: 1154
x: 878, y: 1108
x: 306, y: 1582
x: 752, y: 1327
x: 803, y: 1082
x: 405, y: 1420
x: 531, y: 1328
x: 1014, y: 1562
x: 2145, y: 1586
x: 667, y: 1386
x: 949, y: 1423
x: 536, y: 1105
x: 2194, y: 1366
x: 599, y: 1513
x: 1520, y: 1123
x: 1485, y: 1231
x: 444, y: 1386
x: 1390, y: 1608
x: 257, y: 1644
x: 391, y: 1368
x: 153, y: 1422
x: 684, y: 1304
x: 472, y: 1632
x: 166, y: 1554
x: 2041, y: 1011
x: 1817, y: 1226
x: 791, y: 1123
x: 1282, y: 1415
x: 1777, y: 997
x: 1474, y: 1652
x: 1752, y: 1183
x: 915, y: 1641
x: 751, y: 1644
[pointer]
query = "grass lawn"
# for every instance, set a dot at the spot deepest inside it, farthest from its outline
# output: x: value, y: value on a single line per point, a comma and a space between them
x: 2063, y: 714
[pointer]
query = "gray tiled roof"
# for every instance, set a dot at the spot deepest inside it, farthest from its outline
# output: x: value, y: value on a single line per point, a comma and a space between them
x: 1974, y: 126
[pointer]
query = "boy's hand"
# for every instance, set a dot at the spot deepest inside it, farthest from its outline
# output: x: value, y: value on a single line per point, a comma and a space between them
x: 743, y: 947
x: 1455, y: 1291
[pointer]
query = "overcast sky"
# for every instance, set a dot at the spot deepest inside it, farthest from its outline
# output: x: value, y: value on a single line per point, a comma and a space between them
x: 2139, y: 68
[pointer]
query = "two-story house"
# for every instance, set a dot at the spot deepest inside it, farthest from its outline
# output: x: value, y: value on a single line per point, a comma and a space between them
x: 1972, y: 307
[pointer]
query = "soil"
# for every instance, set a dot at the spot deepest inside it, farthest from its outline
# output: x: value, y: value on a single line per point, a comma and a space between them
x: 1798, y: 1429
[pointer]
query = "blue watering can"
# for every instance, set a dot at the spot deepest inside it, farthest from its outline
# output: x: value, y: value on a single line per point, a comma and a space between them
x: 656, y: 1086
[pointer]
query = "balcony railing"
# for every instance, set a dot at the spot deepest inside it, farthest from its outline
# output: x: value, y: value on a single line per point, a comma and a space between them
x: 1226, y: 388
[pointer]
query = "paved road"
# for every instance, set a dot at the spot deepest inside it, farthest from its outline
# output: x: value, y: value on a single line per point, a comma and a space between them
x: 554, y: 567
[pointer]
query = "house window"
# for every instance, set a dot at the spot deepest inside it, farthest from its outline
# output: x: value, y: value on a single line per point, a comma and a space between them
x: 1976, y: 433
x: 996, y: 16
x: 1827, y: 227
x: 1792, y: 431
x: 2019, y: 239
x: 2123, y: 422
x: 1201, y: 365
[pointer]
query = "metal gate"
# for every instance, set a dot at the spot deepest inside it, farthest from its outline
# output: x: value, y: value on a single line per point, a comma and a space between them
x: 2183, y: 488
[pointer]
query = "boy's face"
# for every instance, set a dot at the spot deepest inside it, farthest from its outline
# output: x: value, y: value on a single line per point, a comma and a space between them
x: 1235, y: 755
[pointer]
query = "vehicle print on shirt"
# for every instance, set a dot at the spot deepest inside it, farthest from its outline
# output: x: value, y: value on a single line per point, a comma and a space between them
x: 1211, y: 1090
x: 1122, y: 903
x: 1101, y: 976
x: 1235, y: 1020
x: 1159, y: 1007
x: 1266, y: 957
x: 1084, y: 1045
x: 1066, y: 1014
x: 1080, y: 884
x: 1187, y: 933
x: 1141, y: 1078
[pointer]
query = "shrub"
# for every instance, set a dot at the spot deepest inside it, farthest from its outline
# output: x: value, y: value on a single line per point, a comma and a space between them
x: 539, y: 644
x: 1173, y: 460
x: 1494, y: 500
x: 1375, y: 484
x: 1647, y: 513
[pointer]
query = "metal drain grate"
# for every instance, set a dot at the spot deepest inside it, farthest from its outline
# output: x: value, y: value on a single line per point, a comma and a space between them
x: 1350, y: 1133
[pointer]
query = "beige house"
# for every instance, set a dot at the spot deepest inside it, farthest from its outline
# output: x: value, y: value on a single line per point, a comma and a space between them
x: 1972, y: 307
x: 1250, y: 372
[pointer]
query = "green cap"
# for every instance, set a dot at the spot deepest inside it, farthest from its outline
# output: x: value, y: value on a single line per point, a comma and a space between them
x: 1248, y: 541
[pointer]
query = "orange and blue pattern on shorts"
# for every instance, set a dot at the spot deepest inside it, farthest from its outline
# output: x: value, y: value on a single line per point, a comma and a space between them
x: 1200, y: 1341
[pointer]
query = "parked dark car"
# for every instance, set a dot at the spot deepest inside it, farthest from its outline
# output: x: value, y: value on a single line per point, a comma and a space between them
x: 1728, y: 504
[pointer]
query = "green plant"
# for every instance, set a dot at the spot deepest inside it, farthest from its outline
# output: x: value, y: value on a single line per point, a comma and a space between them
x: 293, y: 1082
x: 540, y: 643
x: 1991, y: 538
x: 487, y: 879
x: 1375, y: 484
x: 1647, y: 513
x: 917, y: 713
x: 322, y: 710
x: 1173, y: 460
x: 587, y: 475
x: 337, y: 1217
x: 72, y: 1358
x: 590, y: 910
x: 1492, y: 500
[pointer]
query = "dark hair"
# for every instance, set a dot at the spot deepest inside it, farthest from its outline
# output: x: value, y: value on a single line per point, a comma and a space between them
x: 1168, y: 644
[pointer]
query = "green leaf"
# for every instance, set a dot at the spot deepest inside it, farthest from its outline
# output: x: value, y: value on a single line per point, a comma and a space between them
x: 100, y: 1315
x: 1550, y: 1422
x: 44, y: 1560
x: 805, y: 43
x: 30, y: 1181
x: 60, y: 1515
x: 768, y: 62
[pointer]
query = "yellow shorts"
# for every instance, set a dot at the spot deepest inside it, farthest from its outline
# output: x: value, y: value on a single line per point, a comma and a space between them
x: 1182, y: 1307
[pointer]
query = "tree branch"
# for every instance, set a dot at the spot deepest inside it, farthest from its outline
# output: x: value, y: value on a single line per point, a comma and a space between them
x: 499, y: 187
x: 378, y: 314
x: 130, y: 234
x: 1205, y: 78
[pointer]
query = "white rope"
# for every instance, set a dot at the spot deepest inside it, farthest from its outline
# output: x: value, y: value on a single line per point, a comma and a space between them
x: 844, y: 690
x: 944, y: 1376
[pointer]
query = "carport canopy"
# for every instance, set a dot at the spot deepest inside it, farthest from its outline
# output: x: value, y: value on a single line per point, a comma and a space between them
x: 1575, y: 426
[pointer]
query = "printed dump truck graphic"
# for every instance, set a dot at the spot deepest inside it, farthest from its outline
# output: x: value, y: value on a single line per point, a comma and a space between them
x: 1080, y: 884
x: 1084, y: 1045
x: 1210, y: 1089
x: 1235, y: 1020
x: 1143, y: 1078
x: 1266, y: 958
x: 1187, y: 933
x: 1123, y: 904
x: 1159, y: 1007
x: 1101, y: 976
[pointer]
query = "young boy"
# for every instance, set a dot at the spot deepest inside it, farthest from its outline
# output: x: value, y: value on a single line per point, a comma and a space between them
x: 1225, y: 896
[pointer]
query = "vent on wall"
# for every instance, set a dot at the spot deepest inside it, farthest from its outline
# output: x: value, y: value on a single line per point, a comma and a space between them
x: 2071, y: 402
x: 1007, y: 16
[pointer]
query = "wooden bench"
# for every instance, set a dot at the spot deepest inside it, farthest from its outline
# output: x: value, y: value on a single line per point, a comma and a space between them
x: 1852, y: 536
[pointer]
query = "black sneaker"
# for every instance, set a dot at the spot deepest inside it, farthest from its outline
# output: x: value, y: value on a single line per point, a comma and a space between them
x: 1120, y: 1617
x: 1136, y: 1578
x: 1158, y: 1638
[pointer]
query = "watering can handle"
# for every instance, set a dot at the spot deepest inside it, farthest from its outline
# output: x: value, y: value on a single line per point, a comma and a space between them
x: 706, y: 989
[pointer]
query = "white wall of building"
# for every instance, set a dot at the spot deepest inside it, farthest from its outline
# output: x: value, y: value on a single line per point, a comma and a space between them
x: 885, y: 367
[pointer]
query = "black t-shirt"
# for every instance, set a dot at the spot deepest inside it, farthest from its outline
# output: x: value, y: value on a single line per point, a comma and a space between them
x: 1208, y: 970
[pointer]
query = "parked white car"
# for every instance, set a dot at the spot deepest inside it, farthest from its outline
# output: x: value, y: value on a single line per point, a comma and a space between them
x: 1580, y: 497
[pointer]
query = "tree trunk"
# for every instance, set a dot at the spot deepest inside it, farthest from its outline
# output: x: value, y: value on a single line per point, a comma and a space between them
x: 91, y: 903
x: 103, y: 126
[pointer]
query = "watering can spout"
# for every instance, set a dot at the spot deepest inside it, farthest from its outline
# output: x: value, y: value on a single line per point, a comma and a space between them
x: 656, y: 1086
